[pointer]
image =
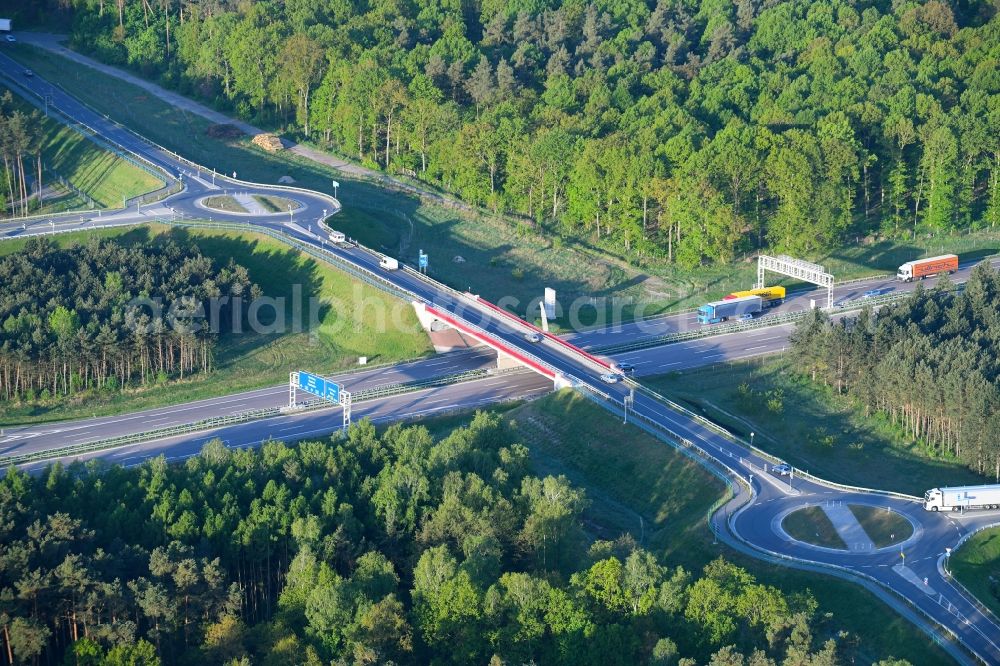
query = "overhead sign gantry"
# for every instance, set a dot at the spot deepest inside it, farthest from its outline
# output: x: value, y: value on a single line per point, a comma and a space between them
x: 796, y: 268
x: 323, y: 388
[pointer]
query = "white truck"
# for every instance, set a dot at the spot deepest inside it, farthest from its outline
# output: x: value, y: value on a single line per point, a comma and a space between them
x: 962, y: 497
x: 388, y: 264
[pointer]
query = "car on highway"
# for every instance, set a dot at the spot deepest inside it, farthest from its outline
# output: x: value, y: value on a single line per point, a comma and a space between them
x: 610, y: 378
x: 10, y: 38
x: 532, y: 336
x: 746, y: 316
x: 28, y: 73
x: 782, y: 469
x: 878, y: 291
x: 625, y: 368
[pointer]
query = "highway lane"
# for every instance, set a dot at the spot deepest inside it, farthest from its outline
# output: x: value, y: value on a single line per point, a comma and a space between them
x: 634, y: 331
x: 700, y: 352
x: 32, y: 438
x: 575, y: 368
x: 320, y: 423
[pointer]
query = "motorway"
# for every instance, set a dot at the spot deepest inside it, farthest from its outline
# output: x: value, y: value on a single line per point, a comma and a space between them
x: 321, y: 422
x: 22, y: 440
x: 623, y: 333
x: 749, y: 521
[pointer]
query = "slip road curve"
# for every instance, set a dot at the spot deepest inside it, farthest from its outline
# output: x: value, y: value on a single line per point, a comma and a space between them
x: 747, y: 518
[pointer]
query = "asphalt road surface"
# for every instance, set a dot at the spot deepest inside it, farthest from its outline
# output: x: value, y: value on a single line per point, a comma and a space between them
x: 748, y: 521
x: 322, y: 422
x: 27, y: 439
x: 634, y: 331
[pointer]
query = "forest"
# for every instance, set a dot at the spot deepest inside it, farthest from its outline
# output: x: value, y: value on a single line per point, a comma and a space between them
x: 370, y: 547
x: 689, y: 131
x: 21, y: 138
x: 929, y: 364
x: 102, y: 316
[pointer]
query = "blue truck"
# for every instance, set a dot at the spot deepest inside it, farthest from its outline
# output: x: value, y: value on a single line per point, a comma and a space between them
x: 743, y: 308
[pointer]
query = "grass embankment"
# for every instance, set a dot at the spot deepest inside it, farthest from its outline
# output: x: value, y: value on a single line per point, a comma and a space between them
x: 812, y: 525
x: 224, y: 202
x: 350, y: 325
x: 884, y: 528
x: 638, y: 485
x: 810, y: 426
x: 98, y: 173
x: 977, y: 566
x: 502, y: 258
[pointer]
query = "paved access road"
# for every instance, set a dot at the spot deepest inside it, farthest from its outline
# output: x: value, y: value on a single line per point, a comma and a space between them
x: 750, y: 525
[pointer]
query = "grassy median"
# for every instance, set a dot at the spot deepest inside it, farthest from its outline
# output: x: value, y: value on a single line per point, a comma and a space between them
x: 350, y: 325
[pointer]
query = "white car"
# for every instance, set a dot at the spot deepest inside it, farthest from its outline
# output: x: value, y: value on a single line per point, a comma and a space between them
x: 533, y: 337
x: 610, y: 378
x: 784, y: 469
x: 10, y: 38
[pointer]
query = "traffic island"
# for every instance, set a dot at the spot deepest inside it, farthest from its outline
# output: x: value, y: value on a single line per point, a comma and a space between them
x: 843, y: 526
x: 273, y: 204
x: 242, y: 203
x: 884, y: 527
x: 224, y: 204
x: 812, y: 526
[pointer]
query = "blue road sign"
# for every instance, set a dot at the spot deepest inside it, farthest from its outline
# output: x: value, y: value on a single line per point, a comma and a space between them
x: 316, y: 385
x: 422, y: 258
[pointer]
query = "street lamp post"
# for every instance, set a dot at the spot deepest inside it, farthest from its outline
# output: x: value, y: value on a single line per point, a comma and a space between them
x: 628, y: 402
x: 751, y: 440
x: 289, y: 213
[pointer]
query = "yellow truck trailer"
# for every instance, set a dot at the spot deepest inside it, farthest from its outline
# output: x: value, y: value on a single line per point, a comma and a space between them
x: 770, y: 295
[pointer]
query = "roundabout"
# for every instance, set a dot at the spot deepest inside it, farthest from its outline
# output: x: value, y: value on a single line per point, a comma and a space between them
x: 837, y: 527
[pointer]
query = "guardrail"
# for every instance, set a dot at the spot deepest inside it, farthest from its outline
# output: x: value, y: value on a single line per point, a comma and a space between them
x: 134, y: 438
x: 363, y: 395
x: 725, y: 432
x: 984, y: 609
x: 51, y: 216
x: 363, y: 274
x: 766, y: 321
x: 83, y: 128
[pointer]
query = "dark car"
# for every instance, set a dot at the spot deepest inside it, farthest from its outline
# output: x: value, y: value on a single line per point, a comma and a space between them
x: 28, y: 73
x: 625, y: 368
